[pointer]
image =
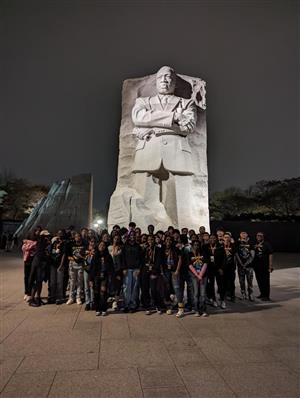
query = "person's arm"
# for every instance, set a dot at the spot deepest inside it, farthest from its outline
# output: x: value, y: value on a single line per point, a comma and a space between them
x: 143, y: 116
x: 179, y: 263
x: 271, y: 262
x: 187, y: 118
x: 203, y: 270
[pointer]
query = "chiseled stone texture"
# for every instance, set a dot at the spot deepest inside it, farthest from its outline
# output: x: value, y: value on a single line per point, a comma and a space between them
x: 129, y: 203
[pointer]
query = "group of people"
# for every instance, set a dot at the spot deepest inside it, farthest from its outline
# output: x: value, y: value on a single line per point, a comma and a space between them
x: 172, y: 271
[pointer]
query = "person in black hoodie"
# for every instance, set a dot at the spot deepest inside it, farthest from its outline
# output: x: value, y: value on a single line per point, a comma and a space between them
x: 132, y: 260
x: 151, y: 272
x: 263, y: 266
x: 100, y: 270
x: 38, y: 268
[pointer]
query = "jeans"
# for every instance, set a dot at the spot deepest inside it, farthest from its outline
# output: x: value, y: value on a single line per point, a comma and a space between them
x: 185, y: 277
x: 76, y: 280
x: 173, y: 285
x: 131, y: 289
x: 199, y: 288
x: 88, y: 291
x: 245, y: 273
x: 56, y: 283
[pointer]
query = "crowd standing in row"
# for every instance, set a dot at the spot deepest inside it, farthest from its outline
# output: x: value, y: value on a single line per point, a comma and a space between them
x: 128, y: 269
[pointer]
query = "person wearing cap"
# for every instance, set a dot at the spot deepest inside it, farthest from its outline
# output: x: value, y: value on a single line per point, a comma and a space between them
x: 38, y: 268
x: 263, y: 266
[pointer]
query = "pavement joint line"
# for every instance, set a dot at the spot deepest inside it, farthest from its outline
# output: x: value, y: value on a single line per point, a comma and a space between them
x: 76, y: 316
x: 50, y: 387
x: 100, y: 343
x: 212, y: 364
x: 2, y: 341
x: 139, y: 376
x: 127, y: 320
x: 179, y: 374
x: 13, y: 373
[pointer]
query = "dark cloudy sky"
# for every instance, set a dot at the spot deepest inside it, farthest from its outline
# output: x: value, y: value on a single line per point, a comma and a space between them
x: 63, y: 62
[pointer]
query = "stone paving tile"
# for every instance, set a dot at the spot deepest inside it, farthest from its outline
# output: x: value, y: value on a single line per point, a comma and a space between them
x: 58, y: 362
x: 248, y: 337
x: 255, y: 354
x: 185, y: 352
x: 289, y: 355
x: 7, y: 368
x: 169, y: 392
x: 103, y: 383
x: 217, y: 350
x: 261, y: 380
x: 160, y: 377
x: 56, y: 342
x: 205, y: 382
x: 155, y: 326
x: 9, y: 323
x: 115, y: 327
x: 28, y: 385
x: 134, y: 352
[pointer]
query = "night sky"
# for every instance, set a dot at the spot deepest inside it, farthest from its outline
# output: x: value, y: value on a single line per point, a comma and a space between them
x: 62, y: 64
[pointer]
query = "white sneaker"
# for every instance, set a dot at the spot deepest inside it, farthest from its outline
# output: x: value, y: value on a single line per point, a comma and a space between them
x: 25, y: 297
x: 78, y: 301
x: 223, y: 305
x: 215, y: 304
x: 148, y: 312
x: 204, y: 315
x: 104, y: 313
x: 114, y: 306
x: 158, y: 311
x: 180, y: 314
x: 197, y: 314
x: 98, y: 313
x: 70, y: 301
x: 169, y: 312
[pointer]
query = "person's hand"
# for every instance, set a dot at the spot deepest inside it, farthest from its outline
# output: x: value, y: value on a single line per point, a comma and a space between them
x: 125, y: 272
x: 91, y: 284
x: 271, y: 269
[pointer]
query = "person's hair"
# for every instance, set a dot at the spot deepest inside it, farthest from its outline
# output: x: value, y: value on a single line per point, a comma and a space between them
x: 220, y: 229
x: 123, y: 231
x: 132, y: 224
x: 116, y: 226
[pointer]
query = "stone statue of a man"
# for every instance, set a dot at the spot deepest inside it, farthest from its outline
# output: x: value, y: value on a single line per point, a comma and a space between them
x: 162, y: 124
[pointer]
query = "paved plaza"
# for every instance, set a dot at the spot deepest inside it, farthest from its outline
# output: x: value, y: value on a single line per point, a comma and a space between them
x: 249, y: 350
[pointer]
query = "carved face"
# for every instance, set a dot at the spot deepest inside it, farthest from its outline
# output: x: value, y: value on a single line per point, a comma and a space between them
x: 165, y: 80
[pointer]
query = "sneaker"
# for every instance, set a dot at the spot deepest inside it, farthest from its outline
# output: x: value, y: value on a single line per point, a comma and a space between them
x: 215, y: 304
x: 193, y: 311
x: 148, y: 312
x: 251, y: 298
x: 78, y: 301
x: 158, y: 311
x: 103, y: 313
x: 25, y: 297
x: 169, y: 312
x: 33, y: 303
x: 223, y: 305
x: 114, y: 306
x: 59, y: 302
x: 197, y: 314
x: 204, y: 315
x: 98, y: 313
x: 70, y: 301
x: 87, y: 307
x: 180, y: 314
